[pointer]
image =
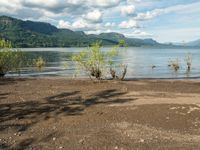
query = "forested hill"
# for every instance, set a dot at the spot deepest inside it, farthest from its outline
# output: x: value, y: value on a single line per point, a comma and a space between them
x: 39, y: 34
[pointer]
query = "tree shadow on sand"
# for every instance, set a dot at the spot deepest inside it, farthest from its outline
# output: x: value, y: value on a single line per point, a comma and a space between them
x: 21, y: 116
x: 7, y: 81
x: 3, y: 95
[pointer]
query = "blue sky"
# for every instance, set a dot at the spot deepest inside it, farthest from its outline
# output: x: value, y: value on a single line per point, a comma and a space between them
x: 162, y: 20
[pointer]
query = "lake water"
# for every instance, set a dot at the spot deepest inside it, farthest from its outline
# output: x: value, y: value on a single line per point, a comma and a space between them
x: 139, y: 61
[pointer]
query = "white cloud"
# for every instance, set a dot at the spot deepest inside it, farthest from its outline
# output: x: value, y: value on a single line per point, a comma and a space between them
x: 148, y: 14
x: 133, y: 1
x: 57, y: 8
x: 79, y: 24
x: 129, y: 24
x: 41, y: 3
x: 178, y: 9
x: 95, y: 16
x: 128, y: 10
x: 52, y: 5
x: 138, y: 33
x: 110, y: 24
x: 64, y: 24
x: 9, y: 8
x: 104, y: 3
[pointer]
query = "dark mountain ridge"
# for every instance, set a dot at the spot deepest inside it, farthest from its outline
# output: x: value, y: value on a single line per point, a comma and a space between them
x: 39, y: 34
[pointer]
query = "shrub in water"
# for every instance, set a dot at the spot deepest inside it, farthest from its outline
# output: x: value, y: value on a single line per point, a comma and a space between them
x: 188, y: 60
x: 10, y: 60
x: 174, y: 64
x: 95, y: 62
x: 39, y: 63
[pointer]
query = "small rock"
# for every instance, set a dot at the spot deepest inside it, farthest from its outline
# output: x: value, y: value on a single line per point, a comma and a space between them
x: 116, y: 147
x: 99, y: 113
x: 54, y: 138
x: 19, y: 133
x: 61, y: 147
x: 142, y: 140
x: 81, y: 141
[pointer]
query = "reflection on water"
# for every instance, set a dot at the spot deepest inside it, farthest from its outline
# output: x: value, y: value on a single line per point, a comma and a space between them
x: 142, y: 62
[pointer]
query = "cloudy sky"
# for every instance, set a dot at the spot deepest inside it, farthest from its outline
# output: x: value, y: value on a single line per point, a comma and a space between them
x: 163, y: 20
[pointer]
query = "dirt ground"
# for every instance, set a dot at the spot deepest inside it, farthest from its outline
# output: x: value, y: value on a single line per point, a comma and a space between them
x: 50, y: 114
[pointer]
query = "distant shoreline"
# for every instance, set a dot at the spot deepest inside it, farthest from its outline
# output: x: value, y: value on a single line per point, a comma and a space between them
x: 107, y: 46
x: 103, y: 80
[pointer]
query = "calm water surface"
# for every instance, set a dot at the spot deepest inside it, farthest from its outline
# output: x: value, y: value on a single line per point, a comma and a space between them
x: 139, y: 61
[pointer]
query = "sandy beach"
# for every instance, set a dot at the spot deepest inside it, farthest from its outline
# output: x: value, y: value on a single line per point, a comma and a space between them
x: 53, y: 113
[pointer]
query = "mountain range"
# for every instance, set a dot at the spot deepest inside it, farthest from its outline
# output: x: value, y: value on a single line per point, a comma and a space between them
x: 194, y: 43
x: 39, y: 34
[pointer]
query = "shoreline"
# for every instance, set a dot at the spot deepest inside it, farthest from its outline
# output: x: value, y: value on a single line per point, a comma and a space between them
x: 49, y: 113
x: 108, y: 79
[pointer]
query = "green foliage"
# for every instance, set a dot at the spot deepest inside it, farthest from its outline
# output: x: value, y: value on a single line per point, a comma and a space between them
x: 5, y: 44
x: 10, y: 60
x: 39, y: 34
x: 39, y: 63
x: 94, y: 61
x: 122, y: 43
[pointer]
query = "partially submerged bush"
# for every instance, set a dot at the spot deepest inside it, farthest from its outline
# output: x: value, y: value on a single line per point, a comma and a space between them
x: 39, y: 63
x: 10, y: 60
x: 188, y: 60
x: 95, y: 62
x: 174, y: 64
x: 119, y: 76
x: 5, y: 44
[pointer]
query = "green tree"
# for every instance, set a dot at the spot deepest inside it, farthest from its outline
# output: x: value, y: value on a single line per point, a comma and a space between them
x: 95, y: 62
x: 5, y: 44
x: 10, y: 59
x: 122, y: 43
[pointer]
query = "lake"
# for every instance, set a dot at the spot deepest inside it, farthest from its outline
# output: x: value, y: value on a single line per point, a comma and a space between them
x: 139, y: 61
